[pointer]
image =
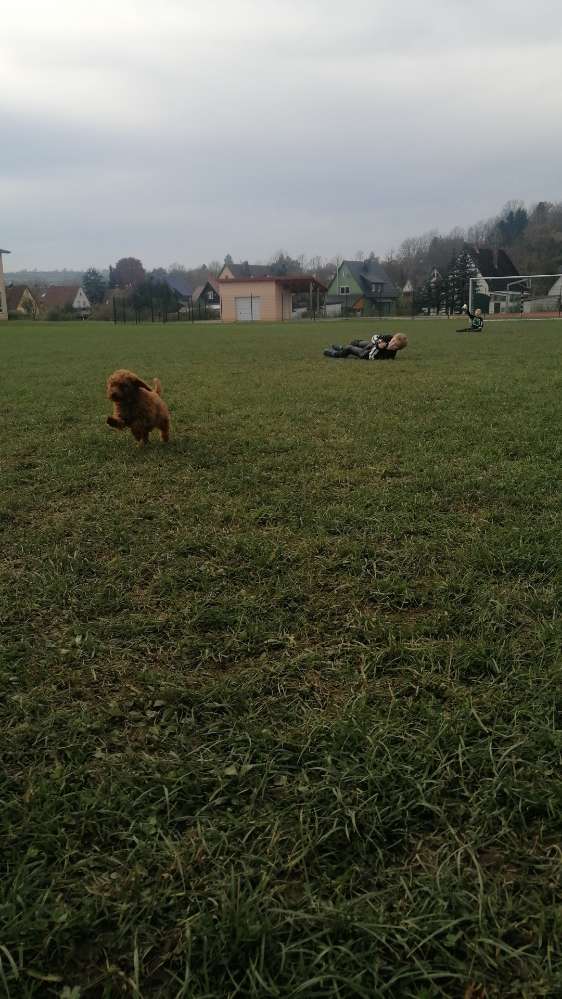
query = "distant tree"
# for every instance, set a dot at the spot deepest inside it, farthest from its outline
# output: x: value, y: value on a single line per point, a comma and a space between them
x: 513, y: 222
x: 281, y: 264
x: 455, y: 289
x: 155, y: 295
x: 228, y: 261
x: 214, y: 267
x: 129, y: 272
x: 112, y: 282
x: 94, y: 285
x: 158, y: 274
x: 314, y: 265
x: 540, y: 213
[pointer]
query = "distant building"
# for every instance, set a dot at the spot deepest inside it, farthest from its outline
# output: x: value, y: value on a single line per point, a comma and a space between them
x: 183, y: 289
x: 505, y: 292
x: 551, y: 302
x: 362, y: 286
x: 268, y: 299
x: 3, y: 302
x: 66, y: 297
x: 207, y: 296
x: 21, y: 299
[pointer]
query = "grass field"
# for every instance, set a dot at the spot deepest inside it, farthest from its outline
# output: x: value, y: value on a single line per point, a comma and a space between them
x: 281, y: 700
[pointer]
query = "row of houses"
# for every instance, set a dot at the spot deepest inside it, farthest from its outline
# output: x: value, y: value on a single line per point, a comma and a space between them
x: 250, y: 292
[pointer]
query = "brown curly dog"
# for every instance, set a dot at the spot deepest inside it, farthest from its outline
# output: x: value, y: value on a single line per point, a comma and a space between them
x: 138, y: 406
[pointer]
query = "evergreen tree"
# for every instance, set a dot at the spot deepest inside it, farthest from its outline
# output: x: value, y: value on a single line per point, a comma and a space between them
x: 94, y: 285
x: 456, y: 285
x: 513, y: 223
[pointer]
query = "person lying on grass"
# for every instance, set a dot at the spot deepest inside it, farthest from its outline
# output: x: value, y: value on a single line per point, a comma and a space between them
x: 476, y: 321
x: 381, y: 347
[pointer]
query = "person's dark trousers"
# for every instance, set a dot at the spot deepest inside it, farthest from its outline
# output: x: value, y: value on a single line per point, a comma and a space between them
x: 354, y: 350
x: 351, y: 351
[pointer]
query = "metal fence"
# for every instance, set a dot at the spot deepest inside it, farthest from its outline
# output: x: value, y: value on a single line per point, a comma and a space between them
x: 125, y: 312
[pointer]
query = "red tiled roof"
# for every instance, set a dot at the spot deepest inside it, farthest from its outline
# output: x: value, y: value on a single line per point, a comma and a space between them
x: 59, y: 294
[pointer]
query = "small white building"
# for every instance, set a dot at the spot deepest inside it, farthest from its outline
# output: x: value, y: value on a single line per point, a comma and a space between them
x: 66, y: 297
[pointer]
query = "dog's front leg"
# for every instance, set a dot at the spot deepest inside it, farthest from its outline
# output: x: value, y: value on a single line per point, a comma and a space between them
x: 115, y: 422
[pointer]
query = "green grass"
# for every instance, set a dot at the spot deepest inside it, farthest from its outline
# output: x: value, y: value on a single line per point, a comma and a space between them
x: 281, y: 700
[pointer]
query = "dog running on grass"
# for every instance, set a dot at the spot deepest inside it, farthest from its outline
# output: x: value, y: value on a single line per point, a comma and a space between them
x: 137, y: 406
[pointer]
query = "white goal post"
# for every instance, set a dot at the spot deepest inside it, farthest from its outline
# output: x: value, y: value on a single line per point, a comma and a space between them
x: 512, y: 279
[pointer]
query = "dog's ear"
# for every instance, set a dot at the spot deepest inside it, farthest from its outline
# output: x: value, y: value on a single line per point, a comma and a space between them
x: 138, y: 383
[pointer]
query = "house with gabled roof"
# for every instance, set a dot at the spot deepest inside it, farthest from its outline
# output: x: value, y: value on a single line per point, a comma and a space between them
x: 3, y: 302
x: 66, y: 297
x: 362, y: 286
x: 21, y: 300
x: 208, y: 296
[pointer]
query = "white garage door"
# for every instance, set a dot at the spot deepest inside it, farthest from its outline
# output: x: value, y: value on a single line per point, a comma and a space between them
x: 248, y: 309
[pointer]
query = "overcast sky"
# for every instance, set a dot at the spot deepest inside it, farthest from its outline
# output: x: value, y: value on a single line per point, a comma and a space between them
x: 181, y: 131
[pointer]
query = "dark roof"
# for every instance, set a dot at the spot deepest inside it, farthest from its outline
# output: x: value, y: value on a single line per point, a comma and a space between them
x: 494, y: 263
x: 14, y: 293
x: 369, y: 272
x: 211, y: 282
x: 4, y: 251
x: 246, y: 270
x: 181, y: 285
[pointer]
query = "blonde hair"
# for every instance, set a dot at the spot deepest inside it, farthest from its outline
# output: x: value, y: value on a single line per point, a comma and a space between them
x: 398, y: 342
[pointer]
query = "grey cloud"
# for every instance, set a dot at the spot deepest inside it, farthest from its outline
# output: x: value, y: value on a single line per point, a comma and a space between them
x: 251, y: 126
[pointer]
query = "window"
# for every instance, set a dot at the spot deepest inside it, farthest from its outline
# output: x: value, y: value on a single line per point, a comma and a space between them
x: 344, y: 290
x: 376, y: 287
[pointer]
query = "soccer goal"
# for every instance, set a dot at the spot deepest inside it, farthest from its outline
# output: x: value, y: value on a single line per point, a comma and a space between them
x: 516, y: 293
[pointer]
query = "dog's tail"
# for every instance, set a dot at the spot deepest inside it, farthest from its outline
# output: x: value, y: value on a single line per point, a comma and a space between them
x: 157, y: 386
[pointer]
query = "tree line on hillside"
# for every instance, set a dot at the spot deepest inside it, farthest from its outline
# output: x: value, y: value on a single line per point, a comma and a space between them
x: 532, y: 237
